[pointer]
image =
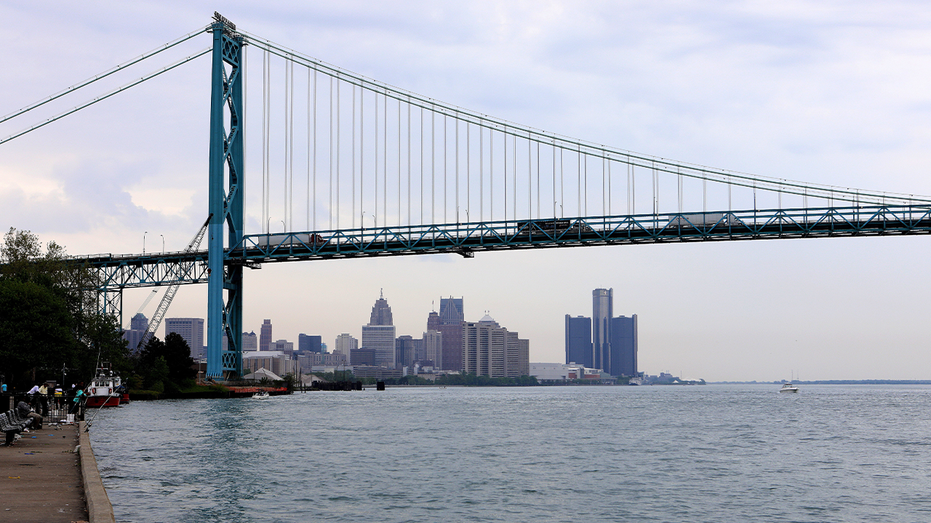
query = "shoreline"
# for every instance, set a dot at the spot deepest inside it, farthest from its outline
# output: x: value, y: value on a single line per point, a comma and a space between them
x: 99, y: 509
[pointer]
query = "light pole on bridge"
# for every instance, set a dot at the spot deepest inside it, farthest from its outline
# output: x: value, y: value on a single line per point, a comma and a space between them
x: 143, y: 242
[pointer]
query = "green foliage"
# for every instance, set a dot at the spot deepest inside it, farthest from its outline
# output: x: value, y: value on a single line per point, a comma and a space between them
x: 48, y: 315
x: 165, y: 366
x: 472, y: 380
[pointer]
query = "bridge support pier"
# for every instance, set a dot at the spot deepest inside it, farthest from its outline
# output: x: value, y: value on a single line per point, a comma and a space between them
x: 226, y: 202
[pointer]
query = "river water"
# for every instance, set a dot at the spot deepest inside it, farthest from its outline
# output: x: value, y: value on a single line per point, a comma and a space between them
x: 691, y: 453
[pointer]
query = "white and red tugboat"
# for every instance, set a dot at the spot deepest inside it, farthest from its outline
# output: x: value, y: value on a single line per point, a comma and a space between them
x: 103, y: 390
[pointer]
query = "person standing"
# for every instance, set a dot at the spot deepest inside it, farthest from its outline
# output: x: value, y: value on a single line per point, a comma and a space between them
x: 43, y: 400
x: 32, y: 395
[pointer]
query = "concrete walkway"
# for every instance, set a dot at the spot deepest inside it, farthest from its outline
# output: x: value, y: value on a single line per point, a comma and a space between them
x: 42, y: 478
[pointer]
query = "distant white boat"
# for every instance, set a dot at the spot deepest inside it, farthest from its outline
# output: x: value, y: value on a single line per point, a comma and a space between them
x: 788, y: 387
x: 261, y: 394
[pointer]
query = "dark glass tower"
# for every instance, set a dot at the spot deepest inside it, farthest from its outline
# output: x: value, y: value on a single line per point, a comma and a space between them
x: 602, y: 312
x: 579, y: 340
x: 624, y: 346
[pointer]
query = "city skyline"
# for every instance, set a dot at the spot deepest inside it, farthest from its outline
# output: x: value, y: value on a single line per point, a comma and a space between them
x: 828, y: 92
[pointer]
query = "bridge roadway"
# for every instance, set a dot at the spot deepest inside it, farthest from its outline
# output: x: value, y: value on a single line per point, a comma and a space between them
x: 133, y: 270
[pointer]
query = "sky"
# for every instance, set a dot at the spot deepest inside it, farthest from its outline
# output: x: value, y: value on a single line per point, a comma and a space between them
x: 823, y: 92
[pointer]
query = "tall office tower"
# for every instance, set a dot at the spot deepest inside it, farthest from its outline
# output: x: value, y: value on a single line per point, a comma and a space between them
x: 433, y: 348
x: 602, y: 312
x: 433, y: 321
x: 250, y: 341
x: 624, y: 346
x: 344, y: 345
x: 307, y: 344
x: 451, y: 319
x: 579, y: 340
x: 490, y: 350
x: 191, y: 329
x: 381, y: 312
x: 404, y: 351
x: 451, y: 312
x: 379, y: 334
x: 139, y: 322
x: 265, y: 335
x: 138, y: 326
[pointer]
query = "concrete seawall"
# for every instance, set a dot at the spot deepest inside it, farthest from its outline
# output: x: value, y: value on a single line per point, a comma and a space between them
x: 99, y: 509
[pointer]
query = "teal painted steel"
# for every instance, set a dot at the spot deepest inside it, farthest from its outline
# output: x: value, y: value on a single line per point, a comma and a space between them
x: 226, y: 205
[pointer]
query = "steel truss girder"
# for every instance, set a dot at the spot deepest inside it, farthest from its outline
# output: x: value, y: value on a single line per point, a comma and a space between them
x: 468, y: 238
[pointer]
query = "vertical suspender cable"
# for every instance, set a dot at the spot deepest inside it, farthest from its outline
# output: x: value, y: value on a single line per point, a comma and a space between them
x: 353, y: 186
x: 445, y: 176
x: 337, y: 151
x: 457, y: 167
x: 421, y: 166
x: 332, y: 135
x: 375, y: 194
x: 310, y: 146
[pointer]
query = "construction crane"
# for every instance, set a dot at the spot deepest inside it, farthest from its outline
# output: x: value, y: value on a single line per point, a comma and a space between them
x: 172, y: 289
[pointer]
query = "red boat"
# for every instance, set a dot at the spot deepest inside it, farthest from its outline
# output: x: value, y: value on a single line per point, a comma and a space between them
x: 102, y: 392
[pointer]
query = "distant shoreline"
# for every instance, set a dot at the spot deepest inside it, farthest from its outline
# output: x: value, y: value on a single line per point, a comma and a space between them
x: 829, y: 382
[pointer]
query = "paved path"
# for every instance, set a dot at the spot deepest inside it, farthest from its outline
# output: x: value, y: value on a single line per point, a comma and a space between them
x: 40, y: 477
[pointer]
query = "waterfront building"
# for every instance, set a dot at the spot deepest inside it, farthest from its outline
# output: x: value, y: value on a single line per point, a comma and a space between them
x: 265, y: 335
x: 566, y: 372
x: 579, y: 340
x: 624, y: 346
x: 379, y: 334
x: 191, y: 329
x: 275, y: 361
x: 490, y: 350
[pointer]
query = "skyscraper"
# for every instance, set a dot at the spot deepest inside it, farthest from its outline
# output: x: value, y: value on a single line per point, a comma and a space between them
x: 344, y: 345
x: 579, y: 340
x: 191, y: 329
x: 265, y: 335
x: 379, y: 334
x: 602, y: 312
x: 451, y: 319
x: 490, y: 350
x: 306, y: 344
x: 624, y: 346
x: 138, y: 326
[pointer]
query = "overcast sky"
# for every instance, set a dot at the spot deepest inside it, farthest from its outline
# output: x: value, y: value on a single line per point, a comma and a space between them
x: 823, y: 92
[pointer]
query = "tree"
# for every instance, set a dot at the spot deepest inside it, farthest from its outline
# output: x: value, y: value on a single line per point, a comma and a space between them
x: 48, y: 314
x: 166, y: 366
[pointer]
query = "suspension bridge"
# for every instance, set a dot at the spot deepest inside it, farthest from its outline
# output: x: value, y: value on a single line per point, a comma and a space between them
x: 359, y: 168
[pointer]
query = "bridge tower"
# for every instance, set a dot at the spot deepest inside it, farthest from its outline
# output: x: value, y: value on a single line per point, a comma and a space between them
x: 226, y: 201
